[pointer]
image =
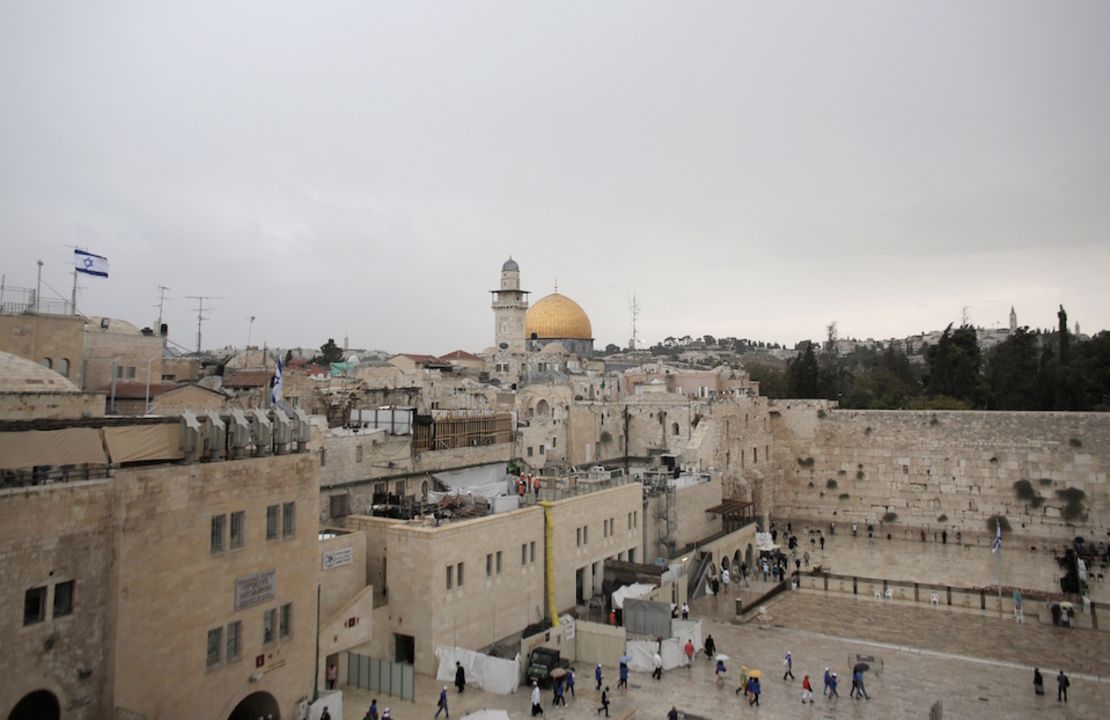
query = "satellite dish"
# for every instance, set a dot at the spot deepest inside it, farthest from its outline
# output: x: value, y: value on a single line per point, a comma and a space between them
x: 504, y: 346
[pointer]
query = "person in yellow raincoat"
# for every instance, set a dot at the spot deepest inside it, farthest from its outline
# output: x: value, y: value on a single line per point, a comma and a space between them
x: 743, y: 681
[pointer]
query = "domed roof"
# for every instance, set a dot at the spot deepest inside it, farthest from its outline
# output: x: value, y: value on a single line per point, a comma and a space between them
x: 22, y: 375
x: 557, y: 316
x: 510, y: 264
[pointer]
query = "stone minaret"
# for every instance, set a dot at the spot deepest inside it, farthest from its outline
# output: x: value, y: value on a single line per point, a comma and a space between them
x: 1013, y: 319
x: 510, y: 304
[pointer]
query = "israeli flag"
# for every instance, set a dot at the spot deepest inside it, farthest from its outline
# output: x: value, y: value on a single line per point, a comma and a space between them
x: 997, y: 544
x: 90, y: 264
x: 275, y: 385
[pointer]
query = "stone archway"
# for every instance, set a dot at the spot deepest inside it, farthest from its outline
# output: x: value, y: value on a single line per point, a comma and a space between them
x: 543, y: 409
x: 37, y: 705
x: 256, y: 705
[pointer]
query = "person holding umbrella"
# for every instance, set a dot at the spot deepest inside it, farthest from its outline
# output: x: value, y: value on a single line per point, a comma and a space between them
x: 857, y: 681
x: 623, y: 682
x: 720, y: 671
x: 754, y: 688
x: 558, y: 676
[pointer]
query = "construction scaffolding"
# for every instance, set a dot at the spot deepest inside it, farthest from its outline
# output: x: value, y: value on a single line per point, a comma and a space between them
x: 461, y: 431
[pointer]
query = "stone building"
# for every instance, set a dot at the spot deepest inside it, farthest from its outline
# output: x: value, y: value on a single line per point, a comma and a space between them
x: 160, y: 587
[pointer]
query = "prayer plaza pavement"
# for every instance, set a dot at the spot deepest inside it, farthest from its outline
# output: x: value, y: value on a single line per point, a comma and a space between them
x: 977, y: 664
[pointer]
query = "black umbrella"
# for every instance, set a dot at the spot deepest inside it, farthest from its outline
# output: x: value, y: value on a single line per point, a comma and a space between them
x: 861, y: 667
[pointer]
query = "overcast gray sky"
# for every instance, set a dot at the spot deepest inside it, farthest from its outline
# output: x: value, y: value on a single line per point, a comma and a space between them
x: 746, y: 169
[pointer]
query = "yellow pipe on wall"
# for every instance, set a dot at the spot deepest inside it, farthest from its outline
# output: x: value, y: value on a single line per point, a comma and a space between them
x: 549, y: 560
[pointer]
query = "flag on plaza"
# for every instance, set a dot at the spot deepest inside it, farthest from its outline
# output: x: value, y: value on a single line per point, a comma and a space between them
x: 275, y: 385
x: 997, y: 544
x: 90, y: 264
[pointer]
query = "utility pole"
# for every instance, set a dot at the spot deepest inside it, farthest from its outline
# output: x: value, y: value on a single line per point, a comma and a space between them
x: 161, y: 301
x: 38, y: 288
x: 201, y: 317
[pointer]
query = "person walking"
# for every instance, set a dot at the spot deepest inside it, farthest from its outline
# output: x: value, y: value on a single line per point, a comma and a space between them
x: 331, y: 676
x: 807, y: 690
x: 788, y: 663
x: 537, y: 707
x: 570, y: 684
x: 725, y: 578
x: 386, y: 715
x: 743, y: 681
x: 1062, y: 684
x: 372, y: 713
x: 559, y: 698
x: 822, y: 541
x: 855, y: 685
x: 857, y: 681
x: 604, y: 702
x: 597, y: 676
x: 828, y: 683
x: 460, y: 676
x: 657, y: 674
x: 672, y: 714
x: 325, y: 715
x: 766, y: 570
x: 720, y: 672
x: 832, y: 687
x: 441, y: 706
x: 689, y: 650
x: 685, y: 611
x: 805, y: 558
x: 710, y: 647
x: 755, y: 689
x: 1038, y: 681
x: 623, y: 674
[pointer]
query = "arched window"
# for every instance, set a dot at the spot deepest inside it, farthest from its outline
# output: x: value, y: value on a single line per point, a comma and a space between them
x: 48, y: 363
x: 63, y: 366
x: 543, y: 409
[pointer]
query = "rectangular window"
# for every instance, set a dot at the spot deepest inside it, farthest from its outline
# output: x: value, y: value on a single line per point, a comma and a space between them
x: 578, y: 536
x: 215, y: 640
x: 272, y: 522
x: 755, y: 456
x: 450, y: 575
x: 532, y: 551
x: 63, y: 599
x: 34, y: 605
x: 285, y: 627
x: 498, y: 562
x: 586, y: 535
x: 323, y: 457
x: 524, y: 553
x: 541, y: 449
x: 459, y: 575
x: 288, y: 518
x: 234, y: 636
x: 358, y: 454
x: 554, y: 441
x: 269, y: 621
x: 119, y: 372
x: 529, y: 452
x: 237, y: 520
x: 219, y: 530
x: 489, y: 564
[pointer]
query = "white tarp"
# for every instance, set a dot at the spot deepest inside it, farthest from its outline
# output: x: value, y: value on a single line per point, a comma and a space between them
x: 495, y: 675
x: 482, y: 481
x: 635, y: 590
x: 764, y: 542
x: 673, y: 654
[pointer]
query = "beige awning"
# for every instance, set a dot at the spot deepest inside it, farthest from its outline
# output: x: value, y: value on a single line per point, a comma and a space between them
x: 136, y: 443
x: 71, y: 446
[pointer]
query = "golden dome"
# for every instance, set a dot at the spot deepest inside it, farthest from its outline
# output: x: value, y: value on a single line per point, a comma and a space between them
x: 557, y: 316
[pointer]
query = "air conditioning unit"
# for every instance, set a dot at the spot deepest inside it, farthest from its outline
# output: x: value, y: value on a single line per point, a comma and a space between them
x: 191, y: 436
x: 215, y: 437
x: 239, y: 435
x: 261, y: 432
x: 283, y: 431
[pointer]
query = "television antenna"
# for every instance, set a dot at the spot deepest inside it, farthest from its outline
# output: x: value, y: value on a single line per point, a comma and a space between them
x: 201, y: 317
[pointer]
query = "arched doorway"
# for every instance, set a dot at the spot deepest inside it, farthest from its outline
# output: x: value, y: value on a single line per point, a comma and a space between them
x: 39, y: 705
x: 542, y: 409
x: 255, y: 706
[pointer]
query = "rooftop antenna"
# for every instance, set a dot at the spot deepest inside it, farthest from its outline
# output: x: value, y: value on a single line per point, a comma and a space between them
x: 161, y: 302
x: 201, y: 317
x: 963, y: 315
x: 634, y: 308
x: 250, y: 327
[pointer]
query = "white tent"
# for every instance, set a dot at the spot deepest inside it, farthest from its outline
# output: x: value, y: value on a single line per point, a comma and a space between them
x: 635, y: 590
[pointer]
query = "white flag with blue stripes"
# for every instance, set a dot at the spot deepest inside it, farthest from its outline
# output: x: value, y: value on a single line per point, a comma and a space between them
x: 275, y: 385
x: 90, y: 264
x: 997, y: 544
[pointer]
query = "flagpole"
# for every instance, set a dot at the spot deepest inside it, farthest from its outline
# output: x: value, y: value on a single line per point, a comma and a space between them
x: 73, y: 297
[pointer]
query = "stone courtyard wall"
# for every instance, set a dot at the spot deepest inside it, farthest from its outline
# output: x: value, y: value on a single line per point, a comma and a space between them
x: 943, y: 470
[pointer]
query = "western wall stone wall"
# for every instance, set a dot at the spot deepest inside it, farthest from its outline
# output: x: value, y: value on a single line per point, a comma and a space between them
x: 1045, y: 472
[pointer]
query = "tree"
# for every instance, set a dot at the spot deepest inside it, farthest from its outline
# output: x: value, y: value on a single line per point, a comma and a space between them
x: 288, y: 356
x: 709, y: 340
x: 329, y: 352
x: 803, y: 373
x: 1012, y: 373
x: 612, y: 349
x: 772, y: 381
x: 954, y: 364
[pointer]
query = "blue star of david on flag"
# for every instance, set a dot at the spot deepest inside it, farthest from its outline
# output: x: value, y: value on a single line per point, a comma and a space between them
x: 90, y: 264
